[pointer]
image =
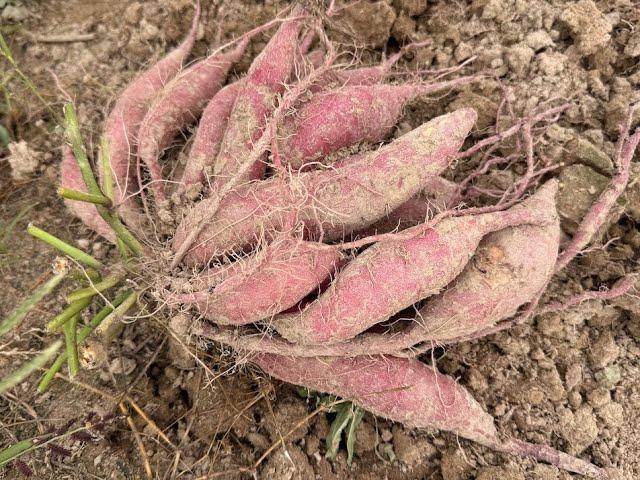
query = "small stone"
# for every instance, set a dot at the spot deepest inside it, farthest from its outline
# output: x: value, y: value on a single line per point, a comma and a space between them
x: 538, y: 40
x: 23, y: 160
x: 612, y: 414
x: 575, y: 399
x: 580, y: 150
x: 83, y: 243
x: 462, y: 52
x: 551, y: 63
x: 386, y: 435
x: 365, y: 439
x: 410, y: 451
x: 579, y: 429
x: 574, y: 197
x: 552, y: 384
x: 608, y: 377
x: 604, y: 351
x: 369, y: 23
x: 519, y: 58
x: 15, y: 13
x: 589, y: 27
x: 632, y: 49
x: 573, y: 377
x: 598, y: 397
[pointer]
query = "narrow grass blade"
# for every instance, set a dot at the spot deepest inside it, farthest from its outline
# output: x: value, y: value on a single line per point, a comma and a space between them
x: 25, y: 307
x: 14, y: 451
x: 28, y: 368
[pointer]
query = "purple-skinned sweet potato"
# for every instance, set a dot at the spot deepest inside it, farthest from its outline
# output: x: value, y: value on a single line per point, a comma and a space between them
x: 415, y: 394
x: 122, y: 124
x: 179, y: 104
x: 256, y: 101
x: 346, y: 116
x: 331, y: 203
x: 208, y: 137
x: 394, y: 274
x: 272, y: 280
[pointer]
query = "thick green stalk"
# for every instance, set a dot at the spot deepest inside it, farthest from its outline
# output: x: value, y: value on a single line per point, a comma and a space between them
x: 79, y: 196
x: 73, y: 134
x: 90, y: 291
x: 110, y: 324
x: 63, y: 317
x: 71, y: 340
x: 64, y: 247
x: 82, y: 335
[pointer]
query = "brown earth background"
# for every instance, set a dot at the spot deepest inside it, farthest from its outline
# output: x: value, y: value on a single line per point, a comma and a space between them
x: 568, y: 379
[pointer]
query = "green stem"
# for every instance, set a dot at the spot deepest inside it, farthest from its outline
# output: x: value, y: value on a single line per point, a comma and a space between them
x: 16, y: 377
x: 64, y: 247
x: 25, y: 307
x: 120, y: 230
x: 90, y: 291
x: 70, y: 335
x: 82, y: 335
x: 63, y: 317
x: 14, y: 451
x: 72, y: 130
x: 73, y: 134
x: 79, y: 196
x: 84, y: 275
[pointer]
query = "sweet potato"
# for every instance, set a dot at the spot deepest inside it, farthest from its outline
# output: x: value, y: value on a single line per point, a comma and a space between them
x: 267, y: 283
x: 180, y: 103
x: 340, y: 118
x: 213, y: 124
x: 393, y: 275
x: 330, y: 203
x: 510, y: 268
x: 123, y: 123
x: 70, y: 177
x: 415, y: 394
x: 206, y: 143
x: 265, y: 80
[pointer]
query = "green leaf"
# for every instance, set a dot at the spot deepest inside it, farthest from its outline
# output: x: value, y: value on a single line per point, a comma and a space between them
x: 356, y: 418
x: 337, y: 426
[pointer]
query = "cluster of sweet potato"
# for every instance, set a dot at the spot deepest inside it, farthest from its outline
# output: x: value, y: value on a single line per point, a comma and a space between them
x: 298, y: 254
